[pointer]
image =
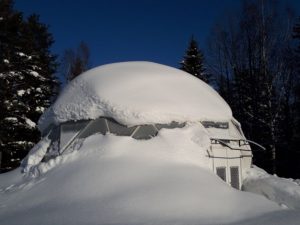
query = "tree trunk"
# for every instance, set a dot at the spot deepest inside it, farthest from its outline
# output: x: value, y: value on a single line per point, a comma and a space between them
x: 0, y: 160
x: 273, y: 149
x: 273, y: 158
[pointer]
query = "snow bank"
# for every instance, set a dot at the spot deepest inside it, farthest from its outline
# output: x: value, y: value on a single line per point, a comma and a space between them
x: 137, y: 93
x: 119, y: 180
x: 285, y: 192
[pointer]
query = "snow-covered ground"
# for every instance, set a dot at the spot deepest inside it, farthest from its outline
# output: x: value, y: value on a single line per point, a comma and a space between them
x: 119, y: 180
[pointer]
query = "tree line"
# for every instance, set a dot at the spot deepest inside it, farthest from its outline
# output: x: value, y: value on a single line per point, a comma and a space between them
x: 252, y: 60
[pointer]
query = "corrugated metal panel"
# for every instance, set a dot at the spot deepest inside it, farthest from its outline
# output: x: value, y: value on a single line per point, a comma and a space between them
x: 119, y: 129
x: 68, y: 131
x: 97, y: 126
x: 145, y: 132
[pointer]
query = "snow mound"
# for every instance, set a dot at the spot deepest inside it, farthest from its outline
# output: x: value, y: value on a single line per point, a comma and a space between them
x: 36, y: 154
x: 136, y: 93
x: 119, y: 180
x: 285, y: 192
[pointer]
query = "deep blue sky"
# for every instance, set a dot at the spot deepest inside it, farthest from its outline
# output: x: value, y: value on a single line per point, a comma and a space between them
x: 124, y: 30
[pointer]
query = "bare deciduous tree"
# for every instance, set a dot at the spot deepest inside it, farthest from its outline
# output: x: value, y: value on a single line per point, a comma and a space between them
x: 249, y: 55
x: 75, y: 62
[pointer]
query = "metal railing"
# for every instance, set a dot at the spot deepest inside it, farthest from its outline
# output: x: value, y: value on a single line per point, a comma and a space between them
x: 241, y: 142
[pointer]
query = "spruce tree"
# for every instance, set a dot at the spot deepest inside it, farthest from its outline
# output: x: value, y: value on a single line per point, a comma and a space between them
x: 193, y: 61
x: 26, y: 79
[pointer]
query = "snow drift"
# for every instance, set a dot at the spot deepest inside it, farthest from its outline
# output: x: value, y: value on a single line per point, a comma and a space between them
x: 120, y: 180
x: 136, y: 93
x: 285, y: 192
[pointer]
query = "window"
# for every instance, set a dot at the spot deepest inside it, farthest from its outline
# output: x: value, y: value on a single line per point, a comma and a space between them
x: 96, y: 126
x: 103, y: 125
x: 220, y: 125
x: 171, y: 125
x: 145, y: 132
x: 234, y: 175
x: 221, y: 172
x: 119, y: 129
x: 68, y: 132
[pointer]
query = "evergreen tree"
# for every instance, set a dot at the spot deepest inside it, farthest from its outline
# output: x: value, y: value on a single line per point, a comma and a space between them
x: 193, y: 61
x: 26, y: 79
x: 10, y: 23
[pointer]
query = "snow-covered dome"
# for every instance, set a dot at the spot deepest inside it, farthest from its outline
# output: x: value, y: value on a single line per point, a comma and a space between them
x: 136, y: 93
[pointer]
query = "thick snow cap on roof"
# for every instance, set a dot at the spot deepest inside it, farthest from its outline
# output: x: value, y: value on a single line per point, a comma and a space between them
x: 136, y: 93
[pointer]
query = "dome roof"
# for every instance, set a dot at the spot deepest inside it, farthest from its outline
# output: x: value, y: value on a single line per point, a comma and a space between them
x: 136, y: 93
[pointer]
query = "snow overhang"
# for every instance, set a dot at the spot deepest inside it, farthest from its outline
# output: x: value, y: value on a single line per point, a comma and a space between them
x: 135, y: 93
